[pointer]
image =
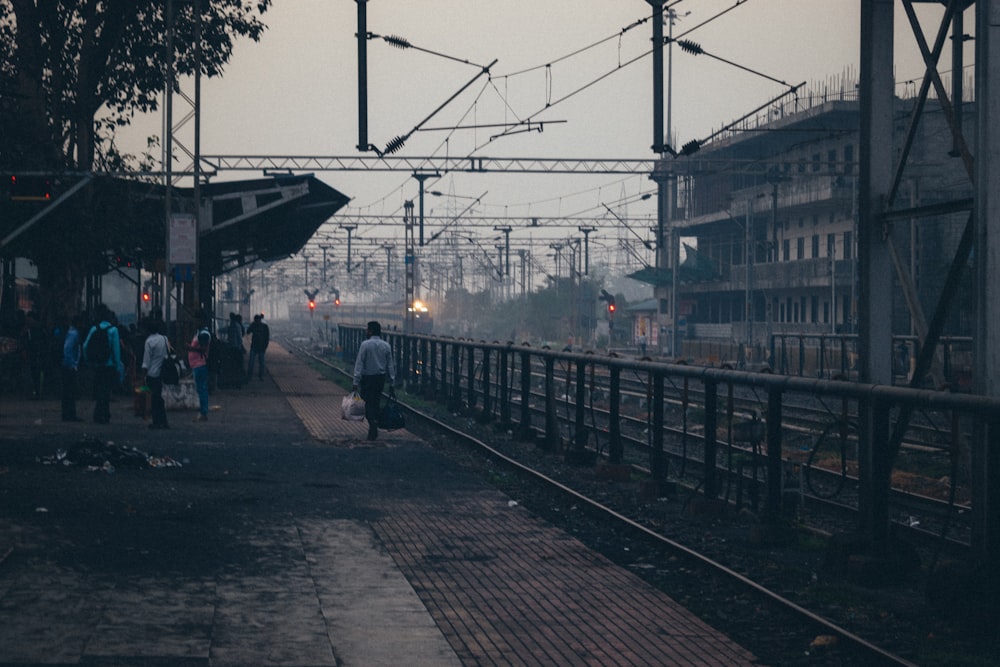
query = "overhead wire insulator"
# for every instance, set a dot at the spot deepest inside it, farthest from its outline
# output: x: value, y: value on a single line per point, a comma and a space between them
x: 394, y: 145
x: 397, y: 41
x: 691, y: 47
x: 691, y: 147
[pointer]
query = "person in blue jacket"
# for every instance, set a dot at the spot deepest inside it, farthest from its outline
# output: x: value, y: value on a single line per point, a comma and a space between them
x: 102, y: 350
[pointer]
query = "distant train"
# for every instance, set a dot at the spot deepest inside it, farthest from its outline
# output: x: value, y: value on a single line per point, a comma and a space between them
x: 392, y: 316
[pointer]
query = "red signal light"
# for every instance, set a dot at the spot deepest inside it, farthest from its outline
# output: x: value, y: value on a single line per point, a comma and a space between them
x: 312, y: 305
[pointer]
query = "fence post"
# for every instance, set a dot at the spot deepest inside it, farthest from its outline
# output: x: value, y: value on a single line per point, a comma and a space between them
x: 471, y: 375
x: 487, y: 413
x: 504, y: 396
x: 455, y: 404
x: 426, y: 366
x: 711, y: 435
x: 616, y: 449
x: 581, y: 407
x: 774, y: 471
x: 657, y: 463
x: 551, y: 420
x: 526, y: 432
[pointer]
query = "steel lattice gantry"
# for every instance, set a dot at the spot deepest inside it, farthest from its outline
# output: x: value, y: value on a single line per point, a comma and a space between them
x: 881, y: 172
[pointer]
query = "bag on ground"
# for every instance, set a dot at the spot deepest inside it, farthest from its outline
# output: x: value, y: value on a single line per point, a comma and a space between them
x: 353, y: 407
x: 392, y: 416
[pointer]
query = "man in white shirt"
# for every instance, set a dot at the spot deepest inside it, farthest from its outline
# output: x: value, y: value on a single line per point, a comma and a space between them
x: 154, y: 356
x: 373, y: 365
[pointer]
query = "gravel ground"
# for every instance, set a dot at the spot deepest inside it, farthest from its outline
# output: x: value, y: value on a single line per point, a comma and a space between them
x: 786, y: 559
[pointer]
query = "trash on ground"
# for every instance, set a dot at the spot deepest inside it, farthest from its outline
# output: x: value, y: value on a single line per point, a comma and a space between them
x: 95, y: 455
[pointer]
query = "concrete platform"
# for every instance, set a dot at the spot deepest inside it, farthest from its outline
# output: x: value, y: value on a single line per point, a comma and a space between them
x: 285, y: 538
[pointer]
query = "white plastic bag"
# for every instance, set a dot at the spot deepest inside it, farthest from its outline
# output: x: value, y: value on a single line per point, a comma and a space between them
x: 353, y: 407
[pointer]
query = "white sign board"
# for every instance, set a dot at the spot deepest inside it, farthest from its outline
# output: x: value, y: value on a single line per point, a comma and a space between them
x: 183, y: 239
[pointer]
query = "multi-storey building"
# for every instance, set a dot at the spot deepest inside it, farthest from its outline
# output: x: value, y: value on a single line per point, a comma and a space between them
x: 770, y: 209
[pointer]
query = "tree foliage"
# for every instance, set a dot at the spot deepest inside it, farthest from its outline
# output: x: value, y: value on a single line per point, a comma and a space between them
x: 72, y: 68
x: 71, y: 73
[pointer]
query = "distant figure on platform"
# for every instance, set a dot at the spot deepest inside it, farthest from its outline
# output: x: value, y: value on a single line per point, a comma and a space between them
x: 102, y: 350
x: 642, y: 343
x: 35, y: 347
x: 260, y: 336
x: 374, y: 364
x: 198, y: 362
x: 231, y: 374
x: 154, y: 355
x: 69, y: 367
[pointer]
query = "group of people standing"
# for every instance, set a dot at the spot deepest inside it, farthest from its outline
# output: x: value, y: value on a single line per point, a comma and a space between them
x: 101, y: 348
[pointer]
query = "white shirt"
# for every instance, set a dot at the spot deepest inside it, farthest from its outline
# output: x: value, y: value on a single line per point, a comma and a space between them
x: 154, y: 353
x: 374, y: 358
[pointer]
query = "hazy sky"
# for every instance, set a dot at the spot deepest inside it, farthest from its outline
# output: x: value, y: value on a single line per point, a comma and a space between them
x: 295, y: 92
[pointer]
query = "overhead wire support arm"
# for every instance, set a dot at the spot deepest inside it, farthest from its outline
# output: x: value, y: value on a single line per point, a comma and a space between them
x: 694, y: 145
x: 403, y: 43
x: 397, y: 143
x: 695, y: 49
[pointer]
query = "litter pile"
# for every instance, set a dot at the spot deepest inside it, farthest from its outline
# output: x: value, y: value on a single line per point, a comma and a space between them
x: 96, y: 455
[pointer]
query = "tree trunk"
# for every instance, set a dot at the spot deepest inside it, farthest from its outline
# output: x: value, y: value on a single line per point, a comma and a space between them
x: 62, y: 281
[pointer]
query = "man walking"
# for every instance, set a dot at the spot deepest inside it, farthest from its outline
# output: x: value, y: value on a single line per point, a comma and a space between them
x: 260, y: 336
x: 373, y: 365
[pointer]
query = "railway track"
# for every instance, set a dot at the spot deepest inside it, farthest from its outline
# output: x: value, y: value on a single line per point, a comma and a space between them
x: 830, y: 641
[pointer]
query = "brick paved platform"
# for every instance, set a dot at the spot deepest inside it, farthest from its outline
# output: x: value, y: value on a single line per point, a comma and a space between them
x: 288, y: 539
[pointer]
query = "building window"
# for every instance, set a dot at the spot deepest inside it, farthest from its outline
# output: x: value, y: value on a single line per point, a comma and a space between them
x: 815, y: 310
x: 786, y: 250
x: 848, y: 245
x: 826, y: 312
x: 849, y: 159
x: 815, y: 246
x: 795, y: 310
x: 831, y: 246
x: 800, y: 247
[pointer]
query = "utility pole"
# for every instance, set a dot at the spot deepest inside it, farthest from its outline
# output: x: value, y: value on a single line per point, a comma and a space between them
x: 324, y: 248
x: 421, y: 177
x: 349, y: 229
x: 410, y: 260
x: 586, y: 248
x: 388, y: 263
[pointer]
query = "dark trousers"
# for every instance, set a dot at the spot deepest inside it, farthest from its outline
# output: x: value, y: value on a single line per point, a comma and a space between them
x: 104, y: 380
x: 158, y: 407
x: 68, y: 392
x: 371, y: 391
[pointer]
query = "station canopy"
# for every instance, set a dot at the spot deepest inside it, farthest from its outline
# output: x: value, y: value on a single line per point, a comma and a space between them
x: 696, y: 267
x: 265, y: 219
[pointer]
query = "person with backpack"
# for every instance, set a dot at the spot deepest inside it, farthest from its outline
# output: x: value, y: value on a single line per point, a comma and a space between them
x: 198, y: 362
x: 102, y: 350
